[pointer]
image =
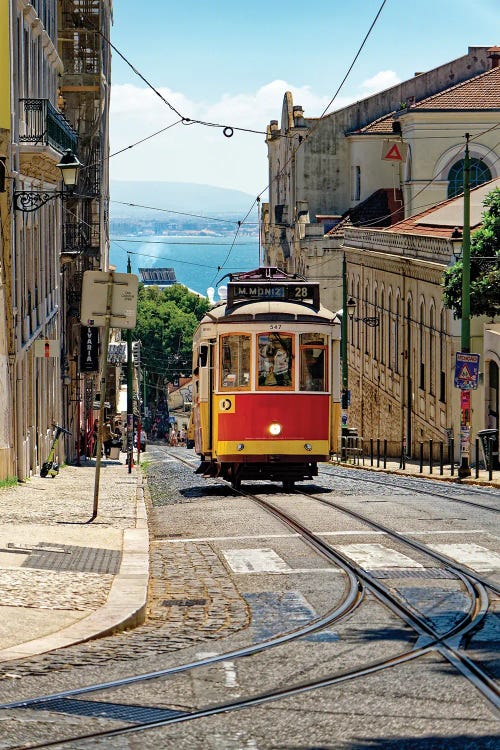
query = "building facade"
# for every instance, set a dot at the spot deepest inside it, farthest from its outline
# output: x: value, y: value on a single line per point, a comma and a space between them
x: 331, y: 175
x: 324, y: 170
x: 401, y: 372
x: 51, y: 100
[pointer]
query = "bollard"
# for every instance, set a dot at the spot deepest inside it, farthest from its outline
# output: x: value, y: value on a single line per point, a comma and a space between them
x: 421, y: 458
x: 385, y: 454
x: 451, y: 455
x: 403, y: 455
x: 371, y: 451
x: 490, y: 459
x: 431, y: 451
x: 477, y: 458
x: 378, y: 453
x: 441, y: 458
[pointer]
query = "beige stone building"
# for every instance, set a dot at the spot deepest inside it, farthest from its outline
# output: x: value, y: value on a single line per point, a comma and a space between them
x: 401, y: 373
x: 328, y: 177
x: 46, y: 48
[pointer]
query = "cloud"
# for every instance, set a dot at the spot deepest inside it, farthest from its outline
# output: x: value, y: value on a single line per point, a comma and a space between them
x: 379, y: 82
x: 200, y: 154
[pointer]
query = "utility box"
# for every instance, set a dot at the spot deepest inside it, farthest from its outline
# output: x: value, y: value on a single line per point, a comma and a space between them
x: 489, y: 447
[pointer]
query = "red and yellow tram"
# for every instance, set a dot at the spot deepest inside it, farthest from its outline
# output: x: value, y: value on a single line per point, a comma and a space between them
x: 266, y: 380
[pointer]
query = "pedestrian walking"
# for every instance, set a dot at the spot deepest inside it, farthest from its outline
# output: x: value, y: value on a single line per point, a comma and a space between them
x: 107, y: 437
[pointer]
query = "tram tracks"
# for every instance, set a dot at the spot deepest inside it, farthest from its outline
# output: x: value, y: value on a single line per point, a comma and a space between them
x: 413, y: 484
x: 428, y: 641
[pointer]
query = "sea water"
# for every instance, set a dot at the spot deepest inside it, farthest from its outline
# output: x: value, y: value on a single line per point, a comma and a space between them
x: 198, y: 262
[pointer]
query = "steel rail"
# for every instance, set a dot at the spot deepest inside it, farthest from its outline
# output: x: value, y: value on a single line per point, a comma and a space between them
x: 447, y: 561
x: 406, y: 478
x: 479, y: 608
x: 435, y: 642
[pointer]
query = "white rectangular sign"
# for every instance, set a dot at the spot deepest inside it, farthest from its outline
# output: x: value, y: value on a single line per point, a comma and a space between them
x: 46, y: 348
x: 123, y: 303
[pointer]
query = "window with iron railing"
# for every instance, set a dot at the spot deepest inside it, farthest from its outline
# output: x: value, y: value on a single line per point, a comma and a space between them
x: 45, y: 125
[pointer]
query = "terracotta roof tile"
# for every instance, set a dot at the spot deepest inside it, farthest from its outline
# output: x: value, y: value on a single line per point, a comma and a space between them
x: 380, y: 209
x: 480, y: 92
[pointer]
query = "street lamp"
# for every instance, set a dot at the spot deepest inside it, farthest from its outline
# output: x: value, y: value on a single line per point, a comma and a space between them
x: 28, y: 201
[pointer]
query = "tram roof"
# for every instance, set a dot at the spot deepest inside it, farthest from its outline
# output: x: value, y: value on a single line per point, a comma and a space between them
x: 270, y: 310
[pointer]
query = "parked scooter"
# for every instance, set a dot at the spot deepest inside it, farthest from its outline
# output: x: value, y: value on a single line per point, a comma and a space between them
x: 51, y: 467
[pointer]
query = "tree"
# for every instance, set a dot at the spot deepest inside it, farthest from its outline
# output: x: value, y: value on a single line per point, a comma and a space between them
x: 484, y: 269
x: 166, y: 320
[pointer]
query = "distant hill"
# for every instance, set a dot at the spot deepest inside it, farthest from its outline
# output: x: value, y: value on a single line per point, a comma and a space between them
x: 175, y: 196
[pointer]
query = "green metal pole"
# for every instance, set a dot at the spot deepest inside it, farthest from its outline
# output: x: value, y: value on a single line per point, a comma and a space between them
x: 130, y: 393
x: 465, y: 327
x: 465, y: 406
x: 343, y: 331
x: 345, y: 371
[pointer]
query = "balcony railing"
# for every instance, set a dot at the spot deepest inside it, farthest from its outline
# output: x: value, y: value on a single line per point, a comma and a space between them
x: 43, y: 125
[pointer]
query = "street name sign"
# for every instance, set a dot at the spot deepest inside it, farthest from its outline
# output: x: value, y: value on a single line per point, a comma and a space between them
x: 466, y: 371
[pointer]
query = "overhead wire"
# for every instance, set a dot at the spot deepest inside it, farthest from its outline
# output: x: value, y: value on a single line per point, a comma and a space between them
x: 228, y: 130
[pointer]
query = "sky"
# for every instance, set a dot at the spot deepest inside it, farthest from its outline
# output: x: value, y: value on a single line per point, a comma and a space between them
x: 231, y: 63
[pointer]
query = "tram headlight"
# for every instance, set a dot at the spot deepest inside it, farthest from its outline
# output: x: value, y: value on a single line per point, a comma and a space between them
x: 275, y: 428
x: 240, y: 446
x: 308, y: 447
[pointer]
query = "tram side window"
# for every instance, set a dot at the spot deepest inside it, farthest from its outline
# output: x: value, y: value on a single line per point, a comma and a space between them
x: 313, y: 357
x: 235, y: 361
x: 275, y: 360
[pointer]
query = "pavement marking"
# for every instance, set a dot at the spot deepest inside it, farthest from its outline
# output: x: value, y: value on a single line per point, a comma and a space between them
x: 182, y: 540
x: 447, y: 532
x: 230, y: 677
x: 377, y: 556
x: 476, y: 557
x: 336, y: 571
x: 274, y: 613
x: 230, y: 538
x: 259, y: 560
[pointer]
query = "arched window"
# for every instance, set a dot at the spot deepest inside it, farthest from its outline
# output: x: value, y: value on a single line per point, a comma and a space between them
x: 442, y: 357
x: 396, y: 335
x: 432, y: 352
x: 479, y: 173
x: 421, y: 331
x: 381, y: 333
x: 389, y: 331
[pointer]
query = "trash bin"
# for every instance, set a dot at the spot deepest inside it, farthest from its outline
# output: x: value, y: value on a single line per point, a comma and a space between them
x: 349, y: 439
x: 488, y: 437
x: 114, y: 451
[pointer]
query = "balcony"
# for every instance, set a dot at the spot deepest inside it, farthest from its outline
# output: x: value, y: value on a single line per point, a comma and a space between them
x: 43, y: 125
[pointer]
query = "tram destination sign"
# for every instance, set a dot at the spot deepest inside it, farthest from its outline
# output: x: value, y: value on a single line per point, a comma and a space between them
x: 279, y: 291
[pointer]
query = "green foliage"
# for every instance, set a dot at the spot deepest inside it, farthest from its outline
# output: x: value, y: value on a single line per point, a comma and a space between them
x: 166, y: 321
x: 484, y: 270
x: 9, y: 482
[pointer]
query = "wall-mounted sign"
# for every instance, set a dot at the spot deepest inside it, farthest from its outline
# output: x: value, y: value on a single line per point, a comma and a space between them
x: 89, y: 349
x: 47, y: 348
x: 395, y: 151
